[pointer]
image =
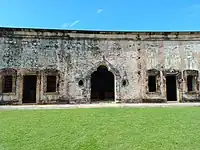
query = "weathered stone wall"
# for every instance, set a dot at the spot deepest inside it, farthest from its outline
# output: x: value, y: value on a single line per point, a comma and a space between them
x: 119, y: 55
x: 77, y: 54
x: 178, y: 55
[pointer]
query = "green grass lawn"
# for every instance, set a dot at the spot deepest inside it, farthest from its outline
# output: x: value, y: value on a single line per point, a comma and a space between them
x: 106, y: 128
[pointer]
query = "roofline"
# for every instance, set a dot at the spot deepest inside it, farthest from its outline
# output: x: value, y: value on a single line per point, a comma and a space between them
x: 93, y: 31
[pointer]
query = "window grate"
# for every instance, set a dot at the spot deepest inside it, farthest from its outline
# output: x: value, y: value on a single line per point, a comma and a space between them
x: 152, y: 83
x: 7, y: 84
x: 190, y: 83
x: 51, y: 84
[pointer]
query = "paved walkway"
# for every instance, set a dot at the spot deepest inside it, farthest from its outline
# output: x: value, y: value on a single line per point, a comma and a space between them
x: 100, y: 105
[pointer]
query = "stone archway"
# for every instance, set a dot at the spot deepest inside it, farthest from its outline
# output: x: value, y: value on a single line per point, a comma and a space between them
x: 102, y: 85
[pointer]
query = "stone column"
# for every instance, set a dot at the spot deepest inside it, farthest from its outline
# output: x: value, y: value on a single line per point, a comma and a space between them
x: 19, y: 87
x: 38, y: 87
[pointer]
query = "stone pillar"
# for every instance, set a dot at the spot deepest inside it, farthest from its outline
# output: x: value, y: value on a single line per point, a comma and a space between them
x: 117, y: 89
x: 19, y: 87
x: 38, y: 88
x: 88, y: 89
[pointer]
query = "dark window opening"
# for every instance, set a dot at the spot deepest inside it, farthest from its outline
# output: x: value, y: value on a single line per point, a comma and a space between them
x: 80, y: 83
x: 190, y: 83
x: 7, y: 84
x: 102, y: 85
x: 124, y: 82
x: 29, y: 89
x: 171, y: 88
x: 152, y: 83
x: 51, y: 84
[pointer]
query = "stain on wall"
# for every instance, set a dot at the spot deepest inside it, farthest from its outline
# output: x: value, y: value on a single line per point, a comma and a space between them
x: 76, y: 54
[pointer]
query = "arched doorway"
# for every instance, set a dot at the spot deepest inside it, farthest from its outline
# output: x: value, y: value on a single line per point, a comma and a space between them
x: 102, y: 85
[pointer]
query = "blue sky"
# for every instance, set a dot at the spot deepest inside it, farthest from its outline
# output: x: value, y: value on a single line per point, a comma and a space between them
x: 132, y: 15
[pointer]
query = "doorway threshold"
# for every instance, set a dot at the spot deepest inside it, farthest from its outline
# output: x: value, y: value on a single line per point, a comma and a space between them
x: 29, y: 104
x: 172, y: 101
x: 103, y: 102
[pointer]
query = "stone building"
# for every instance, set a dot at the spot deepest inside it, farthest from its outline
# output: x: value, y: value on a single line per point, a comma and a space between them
x: 65, y: 66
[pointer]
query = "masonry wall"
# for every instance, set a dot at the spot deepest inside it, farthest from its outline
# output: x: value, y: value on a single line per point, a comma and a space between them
x: 173, y: 56
x: 76, y: 56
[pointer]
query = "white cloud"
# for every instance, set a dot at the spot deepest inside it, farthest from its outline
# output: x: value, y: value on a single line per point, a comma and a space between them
x: 67, y: 25
x: 99, y: 11
x: 74, y: 23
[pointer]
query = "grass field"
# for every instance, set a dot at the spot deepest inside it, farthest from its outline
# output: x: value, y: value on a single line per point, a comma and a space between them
x: 106, y: 128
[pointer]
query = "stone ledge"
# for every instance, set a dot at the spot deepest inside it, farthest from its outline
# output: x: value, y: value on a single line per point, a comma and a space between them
x: 10, y: 102
x: 154, y: 100
x: 131, y: 101
x: 190, y: 100
x: 131, y: 35
x: 79, y: 101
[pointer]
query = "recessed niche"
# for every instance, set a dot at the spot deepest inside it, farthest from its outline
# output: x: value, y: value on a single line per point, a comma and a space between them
x: 80, y: 83
x: 124, y: 82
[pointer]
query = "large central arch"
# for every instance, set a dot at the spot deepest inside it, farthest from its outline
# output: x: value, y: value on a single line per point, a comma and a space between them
x: 102, y: 85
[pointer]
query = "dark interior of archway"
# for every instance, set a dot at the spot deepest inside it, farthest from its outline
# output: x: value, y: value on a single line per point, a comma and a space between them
x: 102, y: 85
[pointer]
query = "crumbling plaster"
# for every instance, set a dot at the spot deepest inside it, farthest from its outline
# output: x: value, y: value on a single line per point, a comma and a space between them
x: 76, y: 54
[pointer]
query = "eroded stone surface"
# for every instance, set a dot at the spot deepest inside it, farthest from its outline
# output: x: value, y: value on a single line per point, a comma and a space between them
x: 76, y: 54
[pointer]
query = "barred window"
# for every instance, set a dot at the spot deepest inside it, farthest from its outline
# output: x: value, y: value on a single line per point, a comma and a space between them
x: 51, y: 83
x: 7, y: 84
x: 152, y: 83
x: 190, y: 83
